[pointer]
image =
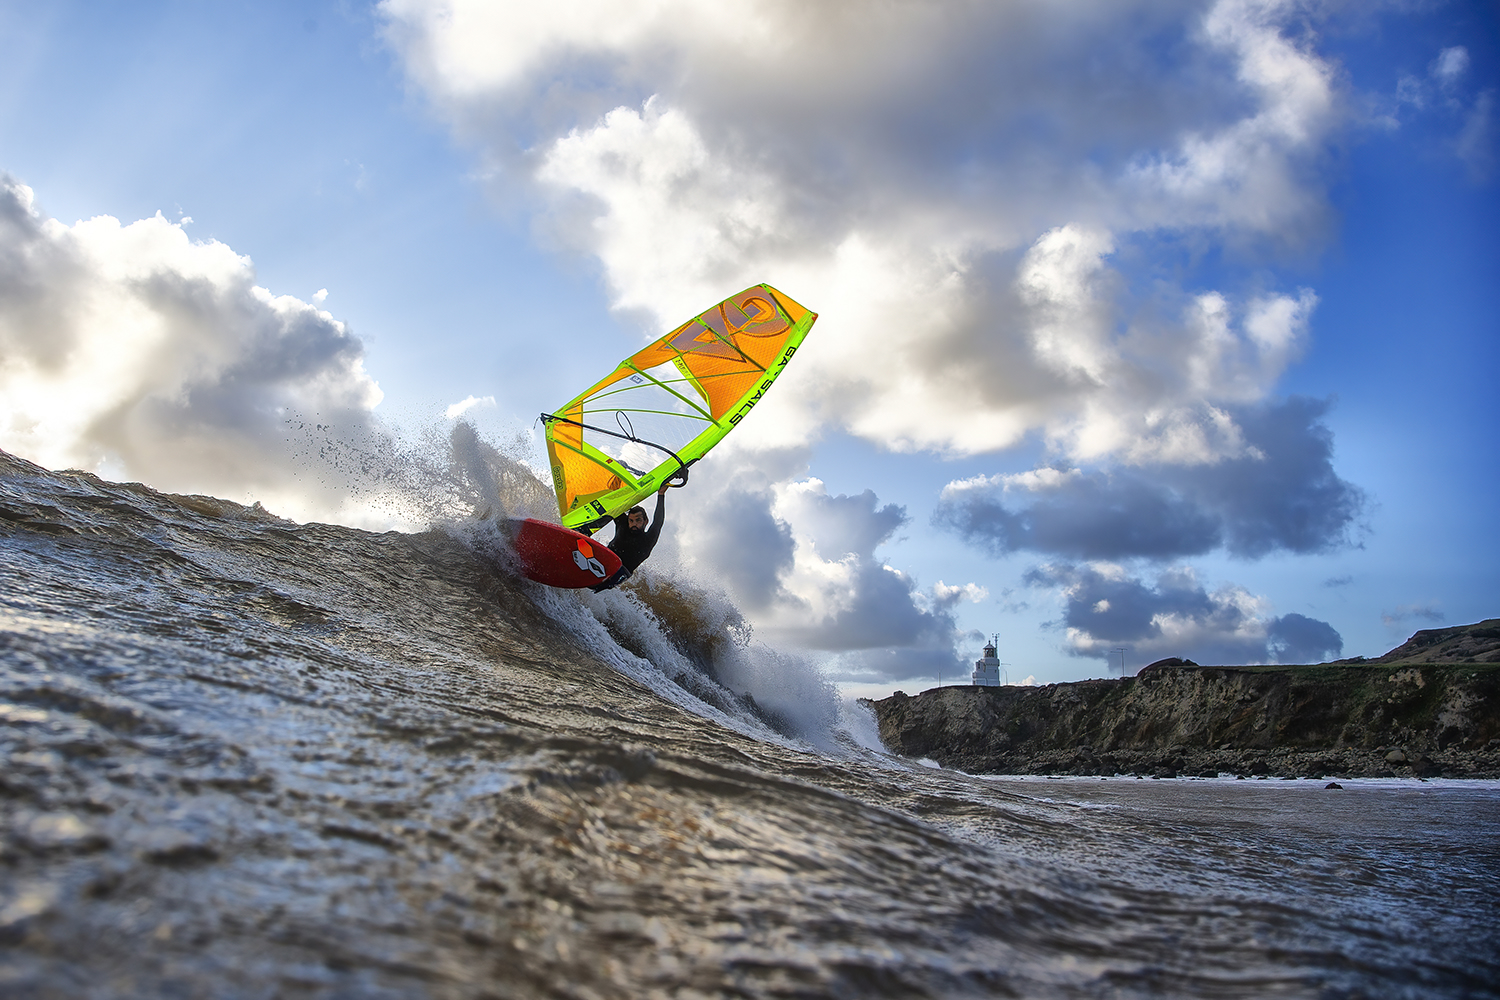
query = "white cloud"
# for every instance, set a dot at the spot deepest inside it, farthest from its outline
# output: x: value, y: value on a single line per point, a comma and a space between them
x: 804, y: 563
x: 1149, y: 395
x: 881, y: 164
x: 946, y: 596
x: 456, y: 410
x: 135, y: 352
x: 1450, y: 64
x: 1104, y: 609
x: 1071, y: 325
x: 1278, y: 490
x: 1442, y: 94
x: 1249, y: 172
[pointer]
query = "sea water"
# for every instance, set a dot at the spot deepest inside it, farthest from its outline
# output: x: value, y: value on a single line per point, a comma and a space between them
x: 248, y: 758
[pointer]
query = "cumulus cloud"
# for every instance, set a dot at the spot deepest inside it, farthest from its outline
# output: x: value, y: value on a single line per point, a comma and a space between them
x: 1296, y: 638
x: 804, y: 561
x: 1083, y: 515
x: 138, y: 353
x: 1280, y: 493
x: 949, y: 184
x: 749, y: 548
x: 945, y: 596
x: 1104, y: 607
x: 842, y: 526
x: 847, y: 598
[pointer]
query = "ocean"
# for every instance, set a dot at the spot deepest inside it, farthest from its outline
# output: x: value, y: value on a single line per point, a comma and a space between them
x: 245, y: 757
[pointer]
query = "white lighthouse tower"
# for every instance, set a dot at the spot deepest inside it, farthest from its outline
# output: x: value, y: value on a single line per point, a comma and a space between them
x: 987, y: 668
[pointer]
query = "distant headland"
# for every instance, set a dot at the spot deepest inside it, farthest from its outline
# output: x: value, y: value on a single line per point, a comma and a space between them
x: 1430, y: 707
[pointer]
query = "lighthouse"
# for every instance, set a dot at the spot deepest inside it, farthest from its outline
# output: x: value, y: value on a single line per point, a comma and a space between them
x: 987, y: 668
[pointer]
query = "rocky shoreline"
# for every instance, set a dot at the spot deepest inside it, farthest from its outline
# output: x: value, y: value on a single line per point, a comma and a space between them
x: 1186, y: 762
x: 1411, y: 713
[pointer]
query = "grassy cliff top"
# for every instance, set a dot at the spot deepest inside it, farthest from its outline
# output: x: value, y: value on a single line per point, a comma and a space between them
x: 1320, y: 673
x: 1476, y: 646
x: 1477, y: 643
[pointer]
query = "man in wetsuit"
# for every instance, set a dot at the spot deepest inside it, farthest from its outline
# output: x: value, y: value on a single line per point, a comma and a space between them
x: 632, y: 542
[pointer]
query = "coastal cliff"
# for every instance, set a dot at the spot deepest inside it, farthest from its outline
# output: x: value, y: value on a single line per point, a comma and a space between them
x: 1428, y: 708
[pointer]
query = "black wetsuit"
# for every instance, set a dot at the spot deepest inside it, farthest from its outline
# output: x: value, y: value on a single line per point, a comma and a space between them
x: 633, y: 547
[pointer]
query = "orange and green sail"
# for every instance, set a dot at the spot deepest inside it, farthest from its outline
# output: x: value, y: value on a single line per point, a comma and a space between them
x: 667, y: 404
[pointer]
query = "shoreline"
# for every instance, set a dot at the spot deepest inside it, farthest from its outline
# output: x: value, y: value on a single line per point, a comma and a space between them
x: 1262, y: 781
x: 1280, y: 763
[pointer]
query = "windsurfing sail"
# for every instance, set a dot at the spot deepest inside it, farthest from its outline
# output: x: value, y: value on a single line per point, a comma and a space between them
x: 667, y: 404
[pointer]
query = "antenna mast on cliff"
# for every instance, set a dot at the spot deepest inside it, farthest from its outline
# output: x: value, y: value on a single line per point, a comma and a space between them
x: 1004, y: 677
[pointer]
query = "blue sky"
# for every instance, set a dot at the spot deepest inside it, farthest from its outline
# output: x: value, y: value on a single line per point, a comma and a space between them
x: 1189, y: 308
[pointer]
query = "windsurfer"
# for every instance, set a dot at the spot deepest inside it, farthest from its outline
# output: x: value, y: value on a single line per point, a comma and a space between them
x: 632, y: 542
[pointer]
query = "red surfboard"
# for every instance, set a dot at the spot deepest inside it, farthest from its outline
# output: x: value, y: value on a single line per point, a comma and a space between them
x: 558, y: 556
